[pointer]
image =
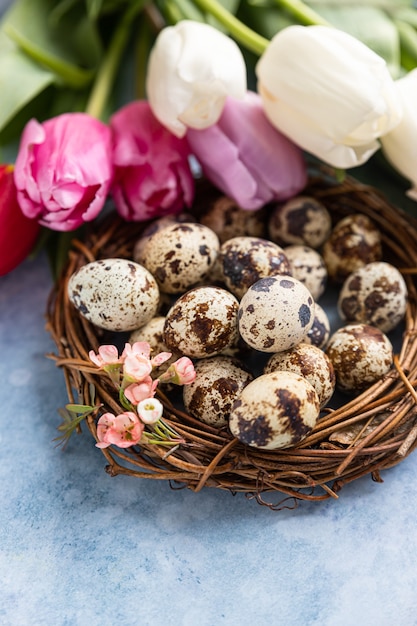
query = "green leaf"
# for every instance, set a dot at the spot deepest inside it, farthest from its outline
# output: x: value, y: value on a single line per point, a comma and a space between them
x: 44, y: 39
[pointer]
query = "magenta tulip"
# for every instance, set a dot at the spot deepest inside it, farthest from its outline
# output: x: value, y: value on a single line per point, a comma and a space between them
x: 64, y: 170
x: 152, y: 174
x: 17, y: 232
x: 246, y: 157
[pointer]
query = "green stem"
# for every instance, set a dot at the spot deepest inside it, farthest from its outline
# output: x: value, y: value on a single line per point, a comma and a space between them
x: 302, y: 13
x: 107, y: 71
x: 237, y: 29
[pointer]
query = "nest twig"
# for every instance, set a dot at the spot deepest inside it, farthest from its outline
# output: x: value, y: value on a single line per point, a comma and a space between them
x: 369, y: 433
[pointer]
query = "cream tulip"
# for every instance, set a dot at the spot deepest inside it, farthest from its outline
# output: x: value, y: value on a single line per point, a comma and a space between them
x: 328, y: 92
x: 192, y: 68
x: 400, y: 145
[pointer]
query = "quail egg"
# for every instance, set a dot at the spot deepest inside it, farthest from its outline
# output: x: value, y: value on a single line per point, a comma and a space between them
x: 275, y: 410
x: 219, y: 380
x: 319, y: 333
x: 228, y: 220
x: 361, y: 355
x: 375, y: 294
x: 300, y: 220
x: 114, y: 294
x: 310, y: 362
x: 276, y: 313
x: 309, y: 267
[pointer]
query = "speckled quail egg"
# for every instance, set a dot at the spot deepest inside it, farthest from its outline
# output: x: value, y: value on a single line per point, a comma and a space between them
x: 219, y: 380
x: 228, y: 220
x: 353, y: 242
x: 180, y: 255
x: 308, y: 266
x: 319, y: 333
x: 276, y: 410
x: 244, y: 260
x: 202, y: 322
x: 153, y: 333
x: 276, y: 313
x: 361, y: 355
x: 300, y: 220
x: 375, y: 294
x: 154, y: 227
x: 310, y: 362
x: 114, y: 294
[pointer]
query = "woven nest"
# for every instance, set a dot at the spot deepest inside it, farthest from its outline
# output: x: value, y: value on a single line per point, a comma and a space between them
x: 369, y: 433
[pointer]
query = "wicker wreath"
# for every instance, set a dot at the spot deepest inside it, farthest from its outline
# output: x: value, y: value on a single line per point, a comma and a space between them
x: 371, y: 432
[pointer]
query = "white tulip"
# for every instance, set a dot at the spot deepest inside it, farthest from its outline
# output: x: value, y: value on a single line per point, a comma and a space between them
x: 192, y: 68
x: 328, y: 92
x: 400, y: 145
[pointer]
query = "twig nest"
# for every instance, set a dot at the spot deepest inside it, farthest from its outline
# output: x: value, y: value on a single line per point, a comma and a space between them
x: 310, y: 362
x: 276, y: 313
x: 219, y: 381
x: 202, y: 322
x: 375, y: 294
x: 300, y: 220
x: 180, y: 255
x: 361, y: 355
x: 353, y: 242
x: 276, y: 410
x: 114, y: 294
x: 244, y: 260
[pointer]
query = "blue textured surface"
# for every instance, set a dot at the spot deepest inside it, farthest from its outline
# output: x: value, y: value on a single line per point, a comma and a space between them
x: 79, y: 548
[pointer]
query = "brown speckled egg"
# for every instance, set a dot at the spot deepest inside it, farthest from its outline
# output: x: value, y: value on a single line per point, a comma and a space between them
x: 319, y: 333
x: 308, y: 266
x: 353, y: 242
x: 180, y: 255
x: 244, y: 260
x: 276, y: 410
x: 202, y: 322
x: 301, y: 220
x: 114, y: 294
x: 228, y: 220
x: 361, y: 355
x: 310, y: 362
x: 219, y: 380
x: 276, y: 313
x: 154, y: 227
x: 375, y: 294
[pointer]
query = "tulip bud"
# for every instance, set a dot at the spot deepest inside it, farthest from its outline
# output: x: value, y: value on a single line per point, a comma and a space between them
x: 328, y: 92
x: 246, y: 157
x: 192, y: 68
x: 18, y: 233
x: 63, y: 170
x: 400, y: 145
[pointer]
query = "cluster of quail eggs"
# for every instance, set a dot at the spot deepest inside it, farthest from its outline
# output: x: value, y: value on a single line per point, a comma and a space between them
x: 238, y: 292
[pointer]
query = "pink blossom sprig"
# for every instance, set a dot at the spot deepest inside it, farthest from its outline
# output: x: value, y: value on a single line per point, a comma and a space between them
x: 130, y: 372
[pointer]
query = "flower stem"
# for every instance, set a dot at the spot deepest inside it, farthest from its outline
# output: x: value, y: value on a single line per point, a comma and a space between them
x: 107, y: 71
x: 304, y: 14
x: 237, y: 29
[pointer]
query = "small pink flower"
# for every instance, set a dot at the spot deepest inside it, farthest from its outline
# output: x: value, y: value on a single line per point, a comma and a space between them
x: 107, y: 355
x: 181, y: 372
x: 136, y: 392
x: 248, y: 158
x: 152, y: 174
x: 161, y: 358
x: 150, y: 410
x: 141, y: 348
x: 64, y: 170
x: 123, y: 430
x: 136, y: 361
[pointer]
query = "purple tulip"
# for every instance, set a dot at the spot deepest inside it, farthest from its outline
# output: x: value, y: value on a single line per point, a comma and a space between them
x: 246, y: 157
x: 63, y: 170
x: 152, y: 174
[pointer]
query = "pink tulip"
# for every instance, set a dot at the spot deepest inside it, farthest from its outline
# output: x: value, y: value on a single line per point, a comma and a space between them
x: 123, y: 430
x: 152, y: 174
x: 64, y: 170
x: 136, y: 392
x: 246, y: 157
x: 17, y: 232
